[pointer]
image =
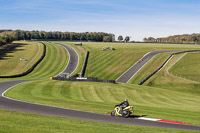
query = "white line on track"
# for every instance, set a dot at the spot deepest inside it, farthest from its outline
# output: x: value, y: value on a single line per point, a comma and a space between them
x: 78, y: 61
x: 69, y: 59
x: 140, y: 69
x: 132, y: 66
x: 3, y: 95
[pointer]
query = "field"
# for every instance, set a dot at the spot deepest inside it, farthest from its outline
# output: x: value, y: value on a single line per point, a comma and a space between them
x: 17, y: 122
x: 171, y: 94
x: 10, y: 63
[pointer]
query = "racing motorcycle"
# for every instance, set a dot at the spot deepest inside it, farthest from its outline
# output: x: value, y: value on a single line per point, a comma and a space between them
x: 118, y: 111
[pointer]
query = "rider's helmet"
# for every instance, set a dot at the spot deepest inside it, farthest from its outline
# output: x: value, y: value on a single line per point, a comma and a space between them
x: 126, y: 100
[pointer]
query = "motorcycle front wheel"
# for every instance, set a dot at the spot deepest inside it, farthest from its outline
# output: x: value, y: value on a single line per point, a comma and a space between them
x: 112, y: 113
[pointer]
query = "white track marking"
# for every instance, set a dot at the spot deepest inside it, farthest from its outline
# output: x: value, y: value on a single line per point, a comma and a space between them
x: 69, y: 60
x: 132, y: 66
x: 140, y: 69
x: 148, y: 119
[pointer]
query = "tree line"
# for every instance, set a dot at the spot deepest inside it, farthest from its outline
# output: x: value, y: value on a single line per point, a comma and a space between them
x: 185, y: 38
x: 7, y: 36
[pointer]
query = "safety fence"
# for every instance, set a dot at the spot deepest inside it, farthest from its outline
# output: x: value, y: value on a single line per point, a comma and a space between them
x: 30, y: 69
x: 149, y: 76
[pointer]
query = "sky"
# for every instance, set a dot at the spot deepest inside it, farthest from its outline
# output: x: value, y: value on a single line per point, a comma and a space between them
x: 135, y: 18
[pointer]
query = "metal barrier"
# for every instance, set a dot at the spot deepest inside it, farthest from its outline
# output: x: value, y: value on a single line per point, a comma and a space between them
x: 85, y: 64
x: 88, y: 79
x: 149, y: 76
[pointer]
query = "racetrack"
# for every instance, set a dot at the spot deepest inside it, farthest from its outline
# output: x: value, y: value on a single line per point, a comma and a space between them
x: 10, y: 104
x: 73, y: 59
x: 14, y: 105
x: 126, y: 76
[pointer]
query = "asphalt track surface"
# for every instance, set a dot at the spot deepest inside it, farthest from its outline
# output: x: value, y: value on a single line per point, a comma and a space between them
x: 73, y: 59
x: 15, y: 105
x: 126, y: 76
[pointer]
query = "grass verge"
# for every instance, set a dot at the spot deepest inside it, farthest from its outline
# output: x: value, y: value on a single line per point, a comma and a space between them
x: 17, y: 122
x: 81, y: 52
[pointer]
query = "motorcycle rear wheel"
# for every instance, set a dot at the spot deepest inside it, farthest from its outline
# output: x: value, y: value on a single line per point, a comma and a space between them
x: 126, y: 113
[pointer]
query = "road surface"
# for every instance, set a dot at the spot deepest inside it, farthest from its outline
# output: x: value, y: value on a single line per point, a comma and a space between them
x: 126, y: 76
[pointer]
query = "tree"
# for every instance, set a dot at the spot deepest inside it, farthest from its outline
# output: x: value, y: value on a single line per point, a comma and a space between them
x: 7, y: 37
x: 72, y: 37
x: 120, y: 38
x: 127, y: 39
x: 145, y: 39
x: 194, y: 39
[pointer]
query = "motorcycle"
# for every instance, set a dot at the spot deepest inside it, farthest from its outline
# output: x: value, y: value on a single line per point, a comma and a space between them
x: 118, y: 111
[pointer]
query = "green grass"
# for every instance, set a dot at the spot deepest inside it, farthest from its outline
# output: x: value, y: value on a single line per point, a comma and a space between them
x: 16, y: 122
x: 10, y: 63
x: 170, y: 97
x: 188, y: 67
x: 81, y: 52
x: 54, y: 62
x: 169, y: 81
x: 101, y: 98
x: 150, y: 67
x: 111, y: 64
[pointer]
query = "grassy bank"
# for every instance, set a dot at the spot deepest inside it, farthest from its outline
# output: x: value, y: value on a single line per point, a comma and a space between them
x: 10, y: 63
x: 109, y: 64
x: 188, y: 67
x: 150, y: 67
x: 16, y: 122
x: 54, y: 62
x: 169, y: 81
x: 101, y: 98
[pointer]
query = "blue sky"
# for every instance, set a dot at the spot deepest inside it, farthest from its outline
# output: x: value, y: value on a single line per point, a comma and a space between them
x: 135, y: 18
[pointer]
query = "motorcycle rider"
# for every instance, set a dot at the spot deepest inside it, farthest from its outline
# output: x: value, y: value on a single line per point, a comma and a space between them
x: 123, y: 104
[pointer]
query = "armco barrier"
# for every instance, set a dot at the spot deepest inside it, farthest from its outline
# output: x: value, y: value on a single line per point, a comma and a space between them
x: 31, y: 69
x: 89, y: 79
x: 85, y: 64
x: 149, y: 76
